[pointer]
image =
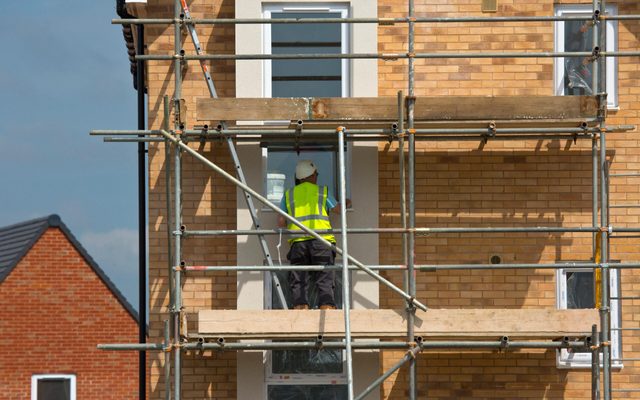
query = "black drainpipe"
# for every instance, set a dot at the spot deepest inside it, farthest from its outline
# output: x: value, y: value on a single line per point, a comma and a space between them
x: 138, y: 83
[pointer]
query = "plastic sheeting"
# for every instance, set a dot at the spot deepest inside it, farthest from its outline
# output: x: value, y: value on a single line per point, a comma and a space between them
x: 580, y: 292
x: 578, y: 37
x: 307, y: 392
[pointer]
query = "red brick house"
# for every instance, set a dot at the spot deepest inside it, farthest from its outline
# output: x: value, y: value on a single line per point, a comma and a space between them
x: 56, y: 305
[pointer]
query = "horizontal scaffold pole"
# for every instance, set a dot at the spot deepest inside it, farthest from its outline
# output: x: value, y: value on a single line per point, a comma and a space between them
x: 220, y: 344
x: 386, y: 56
x: 292, y: 220
x: 418, y: 231
x: 380, y: 21
x: 398, y: 267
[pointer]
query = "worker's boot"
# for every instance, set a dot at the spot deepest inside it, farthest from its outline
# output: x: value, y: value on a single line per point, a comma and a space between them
x: 301, y: 307
x: 328, y: 307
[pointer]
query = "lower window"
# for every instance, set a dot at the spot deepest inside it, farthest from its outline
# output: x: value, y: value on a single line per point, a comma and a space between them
x: 53, y: 387
x: 575, y: 289
x: 305, y: 374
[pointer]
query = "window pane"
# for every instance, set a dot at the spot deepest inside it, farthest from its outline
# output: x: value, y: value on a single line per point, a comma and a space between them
x: 54, y: 389
x: 580, y: 292
x: 306, y: 89
x: 305, y: 32
x: 295, y: 78
x: 578, y: 77
x: 307, y: 392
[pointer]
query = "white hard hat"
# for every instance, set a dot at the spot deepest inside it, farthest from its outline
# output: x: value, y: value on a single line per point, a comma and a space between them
x: 304, y: 169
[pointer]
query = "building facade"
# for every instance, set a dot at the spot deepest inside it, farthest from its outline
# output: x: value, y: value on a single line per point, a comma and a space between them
x: 524, y: 183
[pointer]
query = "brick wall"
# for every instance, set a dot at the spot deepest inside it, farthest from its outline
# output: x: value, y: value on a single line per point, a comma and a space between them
x: 528, y: 183
x: 54, y: 312
x: 458, y: 183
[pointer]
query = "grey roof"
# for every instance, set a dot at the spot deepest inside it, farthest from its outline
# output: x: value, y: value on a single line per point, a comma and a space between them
x: 16, y: 241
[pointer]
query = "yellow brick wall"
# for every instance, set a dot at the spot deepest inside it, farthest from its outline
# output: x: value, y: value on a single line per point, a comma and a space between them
x: 527, y: 183
x: 458, y: 184
x: 208, y: 202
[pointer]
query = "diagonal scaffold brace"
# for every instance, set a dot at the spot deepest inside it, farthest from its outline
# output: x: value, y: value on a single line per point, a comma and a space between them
x: 289, y: 218
x: 234, y: 154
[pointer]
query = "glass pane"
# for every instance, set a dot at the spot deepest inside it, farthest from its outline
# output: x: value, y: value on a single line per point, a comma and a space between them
x: 580, y: 292
x: 306, y: 88
x: 578, y: 77
x: 281, y: 167
x: 306, y: 39
x: 307, y: 392
x: 54, y: 389
x: 305, y: 32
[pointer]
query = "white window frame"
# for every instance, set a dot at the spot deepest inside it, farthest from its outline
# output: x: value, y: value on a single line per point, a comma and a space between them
x: 611, y: 45
x: 565, y: 359
x: 36, y: 378
x: 342, y: 8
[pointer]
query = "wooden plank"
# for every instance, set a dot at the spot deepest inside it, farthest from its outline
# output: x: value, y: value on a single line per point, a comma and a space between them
x: 505, y: 107
x: 443, y: 108
x: 434, y: 323
x: 253, y: 109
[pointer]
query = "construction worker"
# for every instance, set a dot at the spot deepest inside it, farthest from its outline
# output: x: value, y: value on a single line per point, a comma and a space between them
x: 310, y: 204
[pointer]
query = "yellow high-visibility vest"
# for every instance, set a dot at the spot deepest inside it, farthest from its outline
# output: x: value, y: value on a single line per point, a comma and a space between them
x: 307, y: 203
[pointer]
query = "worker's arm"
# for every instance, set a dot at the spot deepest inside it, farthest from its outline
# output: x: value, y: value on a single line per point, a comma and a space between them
x: 338, y: 208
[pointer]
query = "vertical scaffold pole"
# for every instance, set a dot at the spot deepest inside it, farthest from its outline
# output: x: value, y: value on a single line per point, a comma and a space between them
x: 168, y: 156
x: 413, y: 375
x: 346, y: 283
x: 403, y: 184
x: 167, y: 361
x: 594, y: 149
x: 177, y: 308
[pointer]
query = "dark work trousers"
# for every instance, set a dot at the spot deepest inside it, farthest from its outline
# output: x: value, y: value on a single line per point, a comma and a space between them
x: 312, y: 252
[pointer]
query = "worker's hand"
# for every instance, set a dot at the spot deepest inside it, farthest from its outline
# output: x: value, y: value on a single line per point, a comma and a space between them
x: 348, y: 201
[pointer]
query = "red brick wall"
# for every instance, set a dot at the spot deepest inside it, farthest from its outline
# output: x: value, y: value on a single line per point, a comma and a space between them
x: 54, y: 311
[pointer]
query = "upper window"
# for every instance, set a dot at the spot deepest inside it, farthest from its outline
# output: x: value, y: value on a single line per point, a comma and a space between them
x: 575, y: 289
x: 306, y: 78
x: 574, y: 75
x: 53, y: 387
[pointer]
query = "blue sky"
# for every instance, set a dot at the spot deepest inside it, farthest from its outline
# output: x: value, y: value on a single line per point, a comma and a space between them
x: 65, y: 71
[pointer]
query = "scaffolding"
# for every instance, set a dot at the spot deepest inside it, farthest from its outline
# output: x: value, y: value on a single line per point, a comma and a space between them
x: 405, y: 128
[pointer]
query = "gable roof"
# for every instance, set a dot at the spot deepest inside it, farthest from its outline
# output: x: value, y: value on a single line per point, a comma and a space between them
x: 18, y: 239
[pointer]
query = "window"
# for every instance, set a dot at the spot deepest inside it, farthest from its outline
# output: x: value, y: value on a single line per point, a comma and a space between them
x: 573, y: 76
x: 575, y: 289
x: 305, y: 374
x: 304, y: 78
x: 53, y: 387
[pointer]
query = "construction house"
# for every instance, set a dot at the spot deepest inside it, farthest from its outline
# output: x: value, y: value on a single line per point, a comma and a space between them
x: 58, y: 301
x: 490, y: 152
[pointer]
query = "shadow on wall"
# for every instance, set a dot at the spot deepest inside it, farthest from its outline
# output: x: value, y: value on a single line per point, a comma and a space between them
x: 548, y: 186
x: 484, y: 375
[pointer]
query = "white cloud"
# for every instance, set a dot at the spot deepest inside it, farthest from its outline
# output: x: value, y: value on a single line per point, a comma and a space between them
x: 116, y: 251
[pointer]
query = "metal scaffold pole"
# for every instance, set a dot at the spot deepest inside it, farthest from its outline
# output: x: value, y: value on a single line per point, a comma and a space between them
x: 411, y: 283
x: 177, y: 252
x: 346, y: 282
